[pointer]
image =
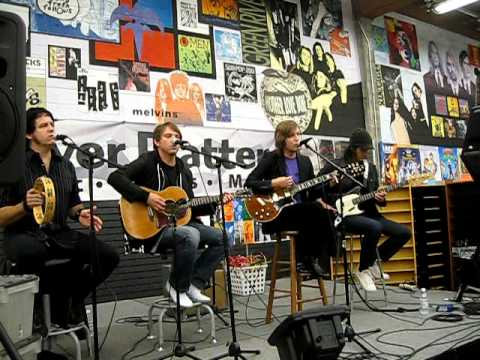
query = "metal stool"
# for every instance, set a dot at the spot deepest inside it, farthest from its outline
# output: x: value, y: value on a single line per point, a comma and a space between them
x: 296, y: 279
x: 165, y: 304
x: 52, y: 331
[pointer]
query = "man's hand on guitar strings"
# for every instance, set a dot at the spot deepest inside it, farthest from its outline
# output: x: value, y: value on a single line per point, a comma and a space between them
x: 326, y: 206
x: 156, y: 202
x: 380, y: 196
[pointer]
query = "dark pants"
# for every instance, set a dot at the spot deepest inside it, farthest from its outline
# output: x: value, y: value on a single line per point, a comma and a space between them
x: 372, y: 228
x: 29, y: 251
x: 312, y: 221
x: 192, y: 268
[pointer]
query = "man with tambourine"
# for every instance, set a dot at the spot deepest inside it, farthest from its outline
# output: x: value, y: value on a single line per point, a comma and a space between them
x: 34, y: 214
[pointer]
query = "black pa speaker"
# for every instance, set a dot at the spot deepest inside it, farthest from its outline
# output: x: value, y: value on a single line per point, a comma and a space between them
x: 12, y: 97
x: 311, y: 334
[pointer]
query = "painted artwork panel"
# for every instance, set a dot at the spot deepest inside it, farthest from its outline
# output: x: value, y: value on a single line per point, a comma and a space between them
x: 402, y: 43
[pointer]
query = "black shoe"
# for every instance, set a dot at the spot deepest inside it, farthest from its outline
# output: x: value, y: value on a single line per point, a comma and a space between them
x: 48, y: 355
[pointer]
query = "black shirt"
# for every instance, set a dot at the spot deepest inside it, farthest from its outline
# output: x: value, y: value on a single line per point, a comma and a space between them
x: 62, y: 173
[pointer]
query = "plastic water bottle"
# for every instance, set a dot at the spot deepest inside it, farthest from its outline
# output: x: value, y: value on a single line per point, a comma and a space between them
x: 424, y: 305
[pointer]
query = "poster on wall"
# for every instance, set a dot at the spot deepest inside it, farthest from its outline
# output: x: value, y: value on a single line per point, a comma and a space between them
x: 36, y: 72
x: 228, y: 45
x: 187, y: 17
x: 321, y: 17
x: 223, y: 13
x: 218, y: 108
x: 133, y: 76
x: 253, y: 28
x: 179, y: 99
x: 240, y: 82
x: 284, y: 33
x: 402, y: 43
x: 195, y: 55
x: 340, y: 43
x: 63, y: 62
x: 97, y: 91
x: 73, y: 18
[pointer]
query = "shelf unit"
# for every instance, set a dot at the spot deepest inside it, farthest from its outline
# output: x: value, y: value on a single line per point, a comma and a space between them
x: 402, y: 266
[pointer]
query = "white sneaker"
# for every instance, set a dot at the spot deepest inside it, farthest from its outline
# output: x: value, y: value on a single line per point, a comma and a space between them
x: 365, y: 278
x: 196, y: 295
x: 375, y: 270
x: 185, y: 301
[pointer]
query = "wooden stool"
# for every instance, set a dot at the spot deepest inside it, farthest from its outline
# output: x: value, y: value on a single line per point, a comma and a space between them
x: 296, y: 279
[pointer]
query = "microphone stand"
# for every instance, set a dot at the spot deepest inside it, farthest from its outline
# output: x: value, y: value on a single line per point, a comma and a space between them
x: 340, y: 237
x: 234, y: 349
x: 91, y: 232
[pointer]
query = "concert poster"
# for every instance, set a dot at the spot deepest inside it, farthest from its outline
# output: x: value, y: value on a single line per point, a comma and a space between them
x: 240, y: 82
x: 340, y: 43
x: 389, y: 163
x: 195, y: 55
x: 389, y: 82
x: 321, y: 17
x: 228, y: 45
x: 63, y: 62
x: 133, y: 76
x: 187, y: 17
x: 218, y: 108
x: 402, y: 43
x: 223, y: 13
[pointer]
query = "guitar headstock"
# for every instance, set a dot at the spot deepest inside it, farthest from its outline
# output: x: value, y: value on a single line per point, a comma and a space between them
x: 355, y: 168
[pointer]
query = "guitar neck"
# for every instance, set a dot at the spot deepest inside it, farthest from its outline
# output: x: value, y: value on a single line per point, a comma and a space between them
x: 203, y: 200
x: 310, y: 183
x: 371, y: 195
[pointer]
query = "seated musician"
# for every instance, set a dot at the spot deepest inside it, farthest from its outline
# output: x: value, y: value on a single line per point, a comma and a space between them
x: 281, y: 169
x: 371, y: 223
x: 29, y: 245
x: 157, y: 170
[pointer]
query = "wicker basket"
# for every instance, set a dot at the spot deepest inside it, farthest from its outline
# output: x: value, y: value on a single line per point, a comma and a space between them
x: 248, y: 280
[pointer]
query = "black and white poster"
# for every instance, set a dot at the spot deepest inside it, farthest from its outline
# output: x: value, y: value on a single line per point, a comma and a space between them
x: 240, y: 82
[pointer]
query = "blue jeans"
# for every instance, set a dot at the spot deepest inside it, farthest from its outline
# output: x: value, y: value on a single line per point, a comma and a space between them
x: 192, y: 268
x: 372, y: 228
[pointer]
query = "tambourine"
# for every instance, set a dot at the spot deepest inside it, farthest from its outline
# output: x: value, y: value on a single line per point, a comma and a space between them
x: 44, y: 214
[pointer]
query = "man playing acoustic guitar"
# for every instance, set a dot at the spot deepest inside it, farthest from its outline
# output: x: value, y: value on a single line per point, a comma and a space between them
x: 157, y: 170
x: 370, y: 223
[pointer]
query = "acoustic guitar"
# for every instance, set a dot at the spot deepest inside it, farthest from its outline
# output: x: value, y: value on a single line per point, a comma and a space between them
x: 265, y: 208
x: 354, y: 199
x: 142, y: 222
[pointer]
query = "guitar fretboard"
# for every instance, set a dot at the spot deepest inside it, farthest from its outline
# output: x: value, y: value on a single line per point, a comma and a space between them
x: 371, y: 195
x: 203, y: 200
x: 309, y: 183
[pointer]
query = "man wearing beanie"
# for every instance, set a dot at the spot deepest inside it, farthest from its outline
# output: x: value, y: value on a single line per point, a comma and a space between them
x: 371, y: 224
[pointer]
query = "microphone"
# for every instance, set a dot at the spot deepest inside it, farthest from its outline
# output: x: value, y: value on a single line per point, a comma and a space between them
x: 180, y: 142
x: 305, y: 141
x: 61, y: 137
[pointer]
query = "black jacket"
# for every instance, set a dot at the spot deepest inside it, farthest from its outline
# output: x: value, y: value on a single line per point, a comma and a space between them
x: 147, y: 171
x: 345, y: 185
x: 272, y: 165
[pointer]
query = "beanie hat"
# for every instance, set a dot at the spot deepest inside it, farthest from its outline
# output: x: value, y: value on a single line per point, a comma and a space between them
x: 360, y: 138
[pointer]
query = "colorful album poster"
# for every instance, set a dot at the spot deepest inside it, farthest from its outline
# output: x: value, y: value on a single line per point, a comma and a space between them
x: 284, y: 34
x: 461, y: 129
x: 195, y: 55
x: 402, y: 43
x: 223, y: 13
x: 240, y: 82
x: 450, y: 128
x: 448, y: 163
x: 321, y: 17
x: 228, y: 45
x: 389, y: 163
x: 430, y: 162
x: 464, y: 175
x: 379, y: 36
x: 438, y: 126
x: 36, y: 83
x: 441, y: 105
x: 133, y: 76
x: 340, y: 43
x: 218, y: 108
x: 187, y: 17
x: 248, y: 232
x: 464, y: 108
x: 63, y: 62
x: 409, y: 164
x: 453, y: 109
x: 389, y: 82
